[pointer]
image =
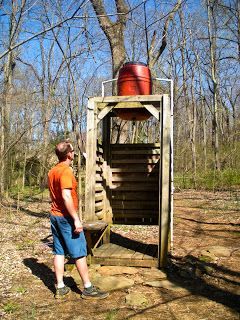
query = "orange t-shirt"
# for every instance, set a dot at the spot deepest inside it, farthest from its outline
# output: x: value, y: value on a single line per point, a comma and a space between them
x: 61, y: 177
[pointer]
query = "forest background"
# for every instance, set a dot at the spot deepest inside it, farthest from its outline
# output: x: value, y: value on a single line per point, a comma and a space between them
x: 54, y: 54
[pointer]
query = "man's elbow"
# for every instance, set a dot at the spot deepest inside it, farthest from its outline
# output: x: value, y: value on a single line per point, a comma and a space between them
x: 66, y: 196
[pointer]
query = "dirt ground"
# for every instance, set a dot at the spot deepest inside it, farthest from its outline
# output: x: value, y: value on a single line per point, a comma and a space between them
x: 211, y: 283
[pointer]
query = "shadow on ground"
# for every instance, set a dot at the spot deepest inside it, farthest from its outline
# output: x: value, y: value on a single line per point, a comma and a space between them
x: 182, y: 272
x: 195, y: 285
x: 149, y: 249
x: 193, y: 274
x: 211, y: 223
x: 42, y: 214
x: 46, y: 275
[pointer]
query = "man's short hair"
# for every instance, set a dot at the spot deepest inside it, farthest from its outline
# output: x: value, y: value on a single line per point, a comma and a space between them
x: 62, y: 149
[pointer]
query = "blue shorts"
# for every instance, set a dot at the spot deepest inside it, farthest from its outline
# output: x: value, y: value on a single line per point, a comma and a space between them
x: 65, y: 241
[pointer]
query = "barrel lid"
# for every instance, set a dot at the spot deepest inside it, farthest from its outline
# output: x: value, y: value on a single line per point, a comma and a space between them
x: 135, y: 63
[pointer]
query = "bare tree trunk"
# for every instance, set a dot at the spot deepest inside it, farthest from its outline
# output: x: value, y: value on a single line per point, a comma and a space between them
x: 24, y: 170
x: 203, y: 141
x: 2, y: 152
x: 204, y: 131
x: 191, y: 113
x: 215, y: 120
x: 236, y: 5
x: 15, y: 22
x: 114, y: 31
x: 193, y: 131
x: 5, y: 125
x: 44, y: 154
x: 233, y: 103
x: 47, y: 90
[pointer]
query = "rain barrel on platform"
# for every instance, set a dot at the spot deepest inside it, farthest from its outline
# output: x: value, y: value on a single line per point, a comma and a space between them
x: 134, y: 79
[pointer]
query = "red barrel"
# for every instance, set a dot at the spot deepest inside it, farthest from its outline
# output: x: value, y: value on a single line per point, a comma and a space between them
x: 134, y: 79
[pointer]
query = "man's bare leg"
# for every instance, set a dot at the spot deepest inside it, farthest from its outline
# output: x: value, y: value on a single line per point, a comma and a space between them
x: 90, y: 291
x: 81, y: 264
x: 58, y: 262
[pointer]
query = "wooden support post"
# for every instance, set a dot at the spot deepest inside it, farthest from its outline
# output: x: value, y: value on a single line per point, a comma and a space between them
x: 106, y: 154
x: 91, y: 148
x: 164, y: 187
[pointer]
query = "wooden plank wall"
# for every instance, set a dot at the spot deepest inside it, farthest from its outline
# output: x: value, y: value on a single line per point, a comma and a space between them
x: 99, y: 188
x: 135, y: 183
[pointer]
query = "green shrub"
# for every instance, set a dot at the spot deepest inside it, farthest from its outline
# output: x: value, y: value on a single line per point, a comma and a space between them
x: 10, y: 307
x: 209, y: 180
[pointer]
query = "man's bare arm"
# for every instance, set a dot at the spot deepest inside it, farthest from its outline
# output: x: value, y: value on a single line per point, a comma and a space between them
x: 68, y: 201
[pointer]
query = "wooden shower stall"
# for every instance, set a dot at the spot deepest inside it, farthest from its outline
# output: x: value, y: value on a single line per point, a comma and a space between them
x: 128, y: 183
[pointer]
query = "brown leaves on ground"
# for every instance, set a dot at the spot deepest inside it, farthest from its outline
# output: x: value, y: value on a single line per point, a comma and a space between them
x: 204, y: 224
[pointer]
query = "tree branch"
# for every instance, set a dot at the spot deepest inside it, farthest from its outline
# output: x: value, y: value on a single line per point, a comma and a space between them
x: 59, y: 24
x: 154, y: 58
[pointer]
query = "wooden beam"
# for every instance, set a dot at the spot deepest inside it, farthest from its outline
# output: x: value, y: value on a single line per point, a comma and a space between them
x: 133, y: 205
x: 128, y: 105
x: 136, y: 178
x: 98, y: 206
x: 98, y: 188
x: 116, y: 99
x: 131, y: 170
x: 91, y: 148
x: 133, y: 196
x: 151, y: 263
x: 135, y: 214
x: 103, y: 113
x: 135, y: 145
x: 164, y: 196
x: 136, y: 151
x: 101, y: 106
x: 136, y: 187
x: 128, y: 161
x: 106, y: 135
x: 154, y: 111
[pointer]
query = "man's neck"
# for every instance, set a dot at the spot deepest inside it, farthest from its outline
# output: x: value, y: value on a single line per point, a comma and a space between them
x: 67, y: 162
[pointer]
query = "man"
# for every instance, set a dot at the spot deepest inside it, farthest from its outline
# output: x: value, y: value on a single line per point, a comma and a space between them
x: 67, y: 229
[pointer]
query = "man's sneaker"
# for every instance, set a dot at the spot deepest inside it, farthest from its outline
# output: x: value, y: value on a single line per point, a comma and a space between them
x: 62, y: 292
x: 93, y: 293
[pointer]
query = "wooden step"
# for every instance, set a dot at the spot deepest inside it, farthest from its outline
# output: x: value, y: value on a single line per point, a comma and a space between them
x: 113, y: 254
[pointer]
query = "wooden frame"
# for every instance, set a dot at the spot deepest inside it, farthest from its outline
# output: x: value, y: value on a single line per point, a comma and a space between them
x: 98, y: 162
